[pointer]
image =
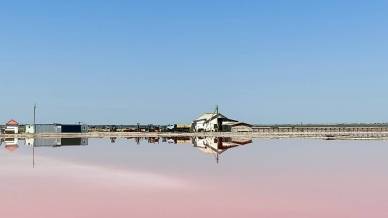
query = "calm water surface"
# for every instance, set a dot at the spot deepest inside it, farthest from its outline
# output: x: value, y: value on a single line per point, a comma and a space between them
x: 296, y: 178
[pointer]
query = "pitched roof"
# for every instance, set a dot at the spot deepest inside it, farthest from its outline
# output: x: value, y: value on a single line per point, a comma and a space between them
x: 209, y: 116
x: 236, y: 123
x: 12, y: 123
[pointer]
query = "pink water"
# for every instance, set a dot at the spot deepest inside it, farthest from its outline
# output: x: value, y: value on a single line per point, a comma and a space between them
x: 296, y: 178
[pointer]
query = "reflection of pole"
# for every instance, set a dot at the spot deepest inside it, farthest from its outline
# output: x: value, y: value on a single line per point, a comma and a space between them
x: 33, y: 155
x: 33, y: 143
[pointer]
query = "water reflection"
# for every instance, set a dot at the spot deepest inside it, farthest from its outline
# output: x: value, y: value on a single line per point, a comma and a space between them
x: 178, y: 176
x: 11, y: 144
x: 214, y: 146
x: 56, y: 142
x: 208, y: 145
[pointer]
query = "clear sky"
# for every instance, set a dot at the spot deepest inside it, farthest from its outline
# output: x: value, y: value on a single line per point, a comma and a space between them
x: 168, y: 61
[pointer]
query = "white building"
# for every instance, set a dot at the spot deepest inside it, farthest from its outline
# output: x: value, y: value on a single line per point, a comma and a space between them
x: 208, y: 122
x: 12, y: 127
x: 216, y: 122
x: 30, y: 129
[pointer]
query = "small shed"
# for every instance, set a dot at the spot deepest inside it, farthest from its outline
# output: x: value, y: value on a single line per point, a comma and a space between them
x: 11, y: 127
x: 238, y: 127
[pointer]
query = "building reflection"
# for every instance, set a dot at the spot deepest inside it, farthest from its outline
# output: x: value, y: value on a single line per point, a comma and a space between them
x: 180, y: 140
x: 11, y: 144
x: 214, y: 146
x: 217, y: 145
x: 56, y: 142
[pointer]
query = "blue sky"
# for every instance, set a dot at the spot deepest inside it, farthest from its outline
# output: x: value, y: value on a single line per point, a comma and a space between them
x: 168, y: 61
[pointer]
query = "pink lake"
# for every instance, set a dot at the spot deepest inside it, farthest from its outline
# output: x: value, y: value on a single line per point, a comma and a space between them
x: 270, y: 178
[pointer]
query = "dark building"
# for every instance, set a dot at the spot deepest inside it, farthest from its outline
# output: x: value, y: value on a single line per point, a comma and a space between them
x: 74, y: 128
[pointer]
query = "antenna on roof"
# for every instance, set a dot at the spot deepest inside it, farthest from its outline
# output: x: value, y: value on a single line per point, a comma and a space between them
x: 217, y: 111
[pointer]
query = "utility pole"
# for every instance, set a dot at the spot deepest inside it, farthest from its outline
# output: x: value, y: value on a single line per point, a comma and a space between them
x: 34, y: 118
x: 33, y: 154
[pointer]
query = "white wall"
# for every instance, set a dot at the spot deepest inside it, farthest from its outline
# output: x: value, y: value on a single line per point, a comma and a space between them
x: 13, y: 129
x: 30, y: 129
x: 206, y: 126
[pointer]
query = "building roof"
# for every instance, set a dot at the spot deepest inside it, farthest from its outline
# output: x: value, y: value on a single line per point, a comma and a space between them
x: 237, y: 124
x: 12, y: 123
x: 209, y: 116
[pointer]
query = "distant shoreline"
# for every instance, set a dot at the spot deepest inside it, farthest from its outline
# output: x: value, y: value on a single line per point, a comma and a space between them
x: 367, y: 135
